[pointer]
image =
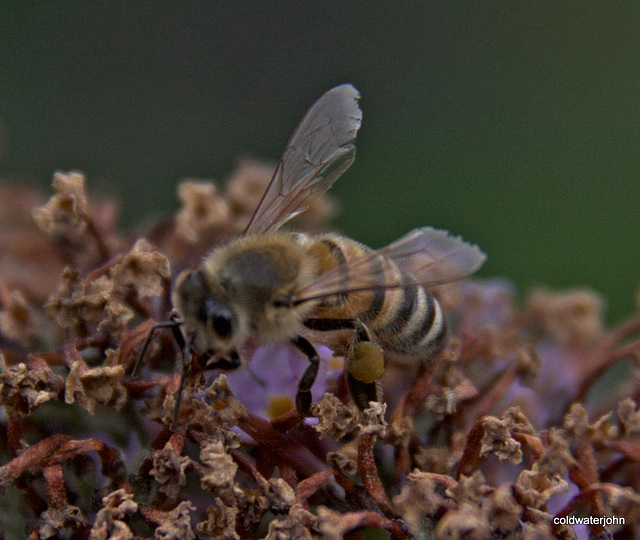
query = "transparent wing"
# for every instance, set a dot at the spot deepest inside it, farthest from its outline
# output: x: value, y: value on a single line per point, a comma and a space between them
x: 424, y: 256
x: 319, y: 151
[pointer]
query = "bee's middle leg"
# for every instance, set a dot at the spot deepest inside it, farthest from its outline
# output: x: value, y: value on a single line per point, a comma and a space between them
x: 303, y: 396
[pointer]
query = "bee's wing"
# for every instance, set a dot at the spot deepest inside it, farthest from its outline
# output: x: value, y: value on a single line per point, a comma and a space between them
x: 424, y: 256
x: 319, y: 151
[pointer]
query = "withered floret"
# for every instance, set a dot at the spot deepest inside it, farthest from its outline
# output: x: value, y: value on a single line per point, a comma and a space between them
x: 546, y: 476
x: 24, y: 389
x: 629, y: 416
x: 294, y: 526
x: 419, y: 500
x: 109, y: 524
x: 577, y: 423
x: 67, y: 211
x: 220, y: 522
x: 204, y: 210
x: 345, y: 458
x: 572, y: 317
x: 142, y: 270
x: 335, y: 419
x: 77, y: 301
x: 176, y: 524
x: 169, y: 470
x: 19, y: 320
x: 467, y: 522
x: 57, y: 519
x: 497, y: 440
x: 95, y: 386
x: 220, y: 468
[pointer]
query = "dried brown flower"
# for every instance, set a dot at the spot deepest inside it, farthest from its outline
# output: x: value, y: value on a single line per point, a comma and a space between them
x: 576, y: 422
x: 419, y: 501
x: 169, y: 469
x: 246, y: 186
x: 295, y: 526
x: 629, y: 417
x: 95, y: 386
x: 203, y: 213
x: 220, y: 522
x: 344, y: 459
x: 78, y: 302
x: 67, y: 218
x: 280, y: 495
x: 497, y: 440
x: 176, y: 524
x: 335, y: 419
x: 109, y: 524
x: 67, y: 211
x: 467, y: 522
x: 221, y: 469
x: 503, y: 511
x: 546, y: 476
x: 142, y: 270
x: 23, y: 389
x: 572, y: 318
x: 19, y: 320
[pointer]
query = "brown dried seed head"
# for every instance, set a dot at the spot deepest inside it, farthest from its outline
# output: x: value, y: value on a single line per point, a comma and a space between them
x: 176, y: 524
x: 472, y: 488
x: 345, y: 459
x: 221, y: 469
x: 497, y: 440
x: 516, y: 421
x: 572, y: 317
x: 203, y: 210
x: 23, y: 389
x: 19, y: 320
x: 418, y: 500
x: 142, y: 269
x: 629, y: 416
x: 373, y: 422
x: 294, y: 526
x: 577, y: 423
x: 76, y: 301
x: 335, y: 419
x: 503, y: 511
x: 108, y: 524
x: 280, y: 495
x: 468, y: 522
x: 247, y: 184
x: 95, y: 386
x: 169, y: 470
x: 220, y: 522
x: 67, y: 210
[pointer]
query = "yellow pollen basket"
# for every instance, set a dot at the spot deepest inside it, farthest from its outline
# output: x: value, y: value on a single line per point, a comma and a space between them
x: 366, y: 362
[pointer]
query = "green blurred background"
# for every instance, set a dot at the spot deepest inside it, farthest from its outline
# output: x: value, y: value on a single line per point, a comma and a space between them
x: 515, y: 124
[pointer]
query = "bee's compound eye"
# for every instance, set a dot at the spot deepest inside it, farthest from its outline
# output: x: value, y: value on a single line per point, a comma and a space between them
x: 222, y: 325
x: 220, y: 315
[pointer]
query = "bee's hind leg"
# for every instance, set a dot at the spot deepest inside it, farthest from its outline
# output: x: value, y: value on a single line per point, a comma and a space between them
x: 365, y: 359
x: 365, y: 366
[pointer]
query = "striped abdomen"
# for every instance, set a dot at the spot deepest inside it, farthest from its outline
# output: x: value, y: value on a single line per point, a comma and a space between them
x: 405, y: 321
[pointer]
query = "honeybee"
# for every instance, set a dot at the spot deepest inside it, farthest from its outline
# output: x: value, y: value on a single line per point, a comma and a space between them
x: 273, y: 286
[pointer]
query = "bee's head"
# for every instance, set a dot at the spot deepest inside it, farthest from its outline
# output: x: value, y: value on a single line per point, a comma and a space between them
x: 209, y: 322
